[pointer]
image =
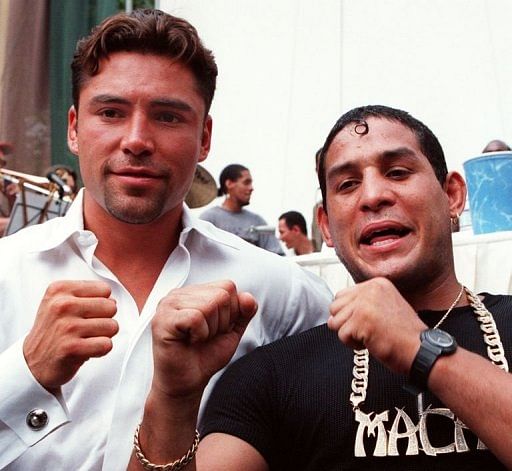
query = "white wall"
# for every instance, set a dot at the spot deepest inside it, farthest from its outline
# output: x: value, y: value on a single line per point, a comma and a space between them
x: 290, y: 68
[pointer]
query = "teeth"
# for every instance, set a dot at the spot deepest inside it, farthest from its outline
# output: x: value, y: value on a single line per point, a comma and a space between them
x: 382, y: 242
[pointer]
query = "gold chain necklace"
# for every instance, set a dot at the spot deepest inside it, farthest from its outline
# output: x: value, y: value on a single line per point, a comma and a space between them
x: 495, y: 350
x: 455, y: 302
x: 374, y: 423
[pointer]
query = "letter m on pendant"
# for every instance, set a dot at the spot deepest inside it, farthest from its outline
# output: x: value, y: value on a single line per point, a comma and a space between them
x: 366, y: 423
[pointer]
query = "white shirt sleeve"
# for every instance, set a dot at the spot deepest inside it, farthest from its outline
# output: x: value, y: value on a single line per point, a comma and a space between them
x: 20, y: 394
x: 307, y: 302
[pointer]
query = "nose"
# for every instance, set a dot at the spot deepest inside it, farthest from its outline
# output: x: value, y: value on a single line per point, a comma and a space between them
x: 138, y: 139
x: 376, y: 192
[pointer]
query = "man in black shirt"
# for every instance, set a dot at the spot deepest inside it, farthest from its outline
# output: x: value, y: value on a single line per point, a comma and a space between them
x: 410, y: 363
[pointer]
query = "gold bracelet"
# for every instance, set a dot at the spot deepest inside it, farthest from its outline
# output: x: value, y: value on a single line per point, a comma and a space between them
x: 174, y: 466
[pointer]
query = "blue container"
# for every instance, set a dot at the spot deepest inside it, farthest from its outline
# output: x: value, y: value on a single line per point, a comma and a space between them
x: 489, y: 180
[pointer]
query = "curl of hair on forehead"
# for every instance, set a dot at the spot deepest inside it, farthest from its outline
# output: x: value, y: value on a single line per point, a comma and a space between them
x: 361, y: 128
x: 428, y: 142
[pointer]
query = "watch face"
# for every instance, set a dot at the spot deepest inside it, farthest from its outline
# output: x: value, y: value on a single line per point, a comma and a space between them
x: 439, y: 337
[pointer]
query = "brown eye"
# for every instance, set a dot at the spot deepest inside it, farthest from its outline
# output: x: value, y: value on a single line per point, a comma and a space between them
x: 109, y: 113
x: 347, y: 185
x: 167, y: 117
x: 398, y: 173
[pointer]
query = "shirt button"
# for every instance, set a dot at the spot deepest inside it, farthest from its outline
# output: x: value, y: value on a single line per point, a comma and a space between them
x: 37, y: 419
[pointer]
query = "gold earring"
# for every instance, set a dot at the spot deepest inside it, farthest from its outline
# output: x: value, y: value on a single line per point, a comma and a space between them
x: 454, y: 221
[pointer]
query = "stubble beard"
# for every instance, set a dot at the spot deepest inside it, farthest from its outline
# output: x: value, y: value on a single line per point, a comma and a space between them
x: 137, y: 207
x: 406, y: 278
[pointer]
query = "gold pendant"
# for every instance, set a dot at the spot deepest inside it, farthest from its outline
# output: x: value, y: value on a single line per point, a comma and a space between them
x: 373, y: 425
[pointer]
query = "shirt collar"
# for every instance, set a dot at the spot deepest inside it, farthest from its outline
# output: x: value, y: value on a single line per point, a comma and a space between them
x: 193, y: 223
x: 61, y: 229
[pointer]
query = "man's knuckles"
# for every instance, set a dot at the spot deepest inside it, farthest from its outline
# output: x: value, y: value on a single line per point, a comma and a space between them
x: 77, y: 350
x: 207, y: 300
x: 79, y: 288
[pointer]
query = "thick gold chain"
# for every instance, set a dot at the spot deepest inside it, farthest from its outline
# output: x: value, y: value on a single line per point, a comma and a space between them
x: 492, y: 339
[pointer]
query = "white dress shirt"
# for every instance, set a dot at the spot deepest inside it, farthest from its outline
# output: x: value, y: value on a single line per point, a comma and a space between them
x: 91, y: 423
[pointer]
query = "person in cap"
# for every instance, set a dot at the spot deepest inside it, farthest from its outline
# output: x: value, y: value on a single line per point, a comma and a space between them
x: 85, y: 297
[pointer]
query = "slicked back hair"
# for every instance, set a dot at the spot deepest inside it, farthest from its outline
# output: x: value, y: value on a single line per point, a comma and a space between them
x: 428, y: 142
x: 147, y: 32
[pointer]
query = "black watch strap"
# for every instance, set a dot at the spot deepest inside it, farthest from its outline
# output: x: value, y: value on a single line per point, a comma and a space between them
x: 434, y: 343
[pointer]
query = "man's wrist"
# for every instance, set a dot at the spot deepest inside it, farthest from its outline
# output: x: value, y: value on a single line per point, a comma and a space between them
x: 435, y: 343
x: 175, y: 465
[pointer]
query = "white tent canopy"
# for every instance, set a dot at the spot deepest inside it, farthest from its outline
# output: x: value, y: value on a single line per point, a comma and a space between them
x: 290, y: 68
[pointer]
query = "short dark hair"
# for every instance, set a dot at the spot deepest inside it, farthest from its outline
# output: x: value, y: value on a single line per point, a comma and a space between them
x: 294, y: 218
x: 231, y: 172
x: 145, y: 31
x: 318, y: 154
x: 428, y: 142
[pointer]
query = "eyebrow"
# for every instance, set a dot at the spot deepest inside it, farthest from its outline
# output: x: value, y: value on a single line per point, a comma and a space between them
x: 384, y: 157
x: 397, y: 153
x: 163, y: 102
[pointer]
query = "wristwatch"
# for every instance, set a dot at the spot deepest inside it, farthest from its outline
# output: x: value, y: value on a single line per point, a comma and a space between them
x: 434, y: 343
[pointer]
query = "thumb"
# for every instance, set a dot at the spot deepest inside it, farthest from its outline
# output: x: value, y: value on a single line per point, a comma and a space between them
x: 248, y: 308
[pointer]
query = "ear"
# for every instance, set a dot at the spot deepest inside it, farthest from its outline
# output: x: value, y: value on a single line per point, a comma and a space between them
x: 73, y: 130
x: 229, y: 184
x: 206, y: 138
x: 455, y: 188
x: 322, y: 220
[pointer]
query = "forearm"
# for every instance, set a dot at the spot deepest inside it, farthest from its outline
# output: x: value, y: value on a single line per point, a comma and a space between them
x: 478, y: 392
x: 167, y: 430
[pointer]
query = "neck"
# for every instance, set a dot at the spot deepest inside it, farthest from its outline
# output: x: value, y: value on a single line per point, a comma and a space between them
x: 304, y: 247
x: 438, y: 295
x: 231, y: 204
x: 135, y: 253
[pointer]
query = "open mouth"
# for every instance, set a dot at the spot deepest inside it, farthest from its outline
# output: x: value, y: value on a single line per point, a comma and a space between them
x: 383, y: 235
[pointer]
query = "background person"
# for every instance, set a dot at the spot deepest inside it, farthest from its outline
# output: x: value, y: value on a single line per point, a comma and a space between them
x: 236, y: 183
x: 495, y: 146
x: 292, y: 230
x: 68, y: 176
x: 383, y: 385
x: 83, y: 330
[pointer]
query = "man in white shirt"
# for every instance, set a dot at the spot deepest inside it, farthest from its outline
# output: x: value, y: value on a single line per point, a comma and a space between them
x: 83, y: 297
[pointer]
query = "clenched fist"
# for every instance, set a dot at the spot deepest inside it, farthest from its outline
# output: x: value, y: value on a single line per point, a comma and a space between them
x: 196, y: 331
x: 374, y: 315
x: 74, y: 323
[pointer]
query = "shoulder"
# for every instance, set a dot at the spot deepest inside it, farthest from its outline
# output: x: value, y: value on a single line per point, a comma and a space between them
x: 316, y: 339
x: 210, y: 213
x: 499, y: 303
x: 30, y: 238
x: 301, y: 350
x: 253, y: 216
